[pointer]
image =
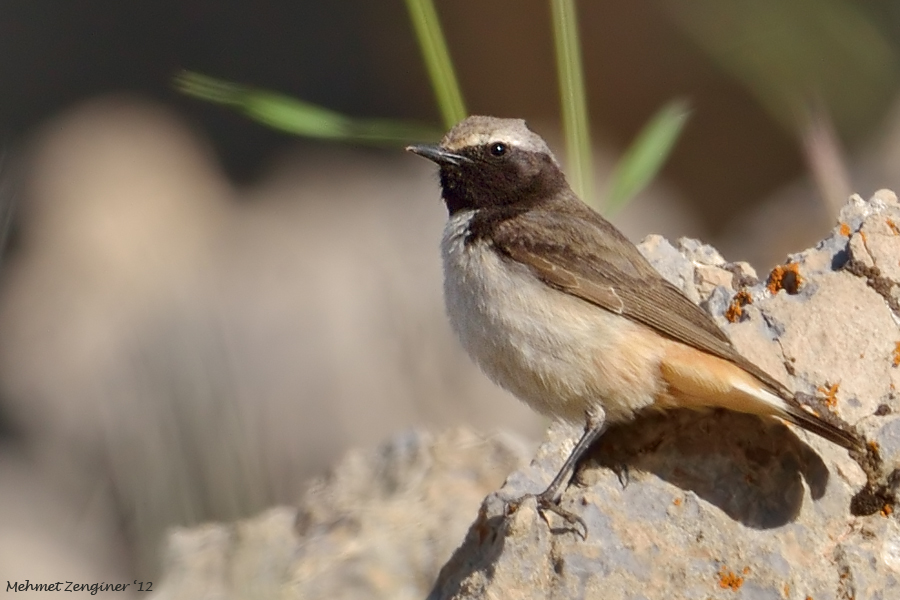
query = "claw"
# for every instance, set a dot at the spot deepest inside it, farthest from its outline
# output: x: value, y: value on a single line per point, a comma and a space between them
x: 548, y: 500
x: 546, y: 504
x: 623, y: 473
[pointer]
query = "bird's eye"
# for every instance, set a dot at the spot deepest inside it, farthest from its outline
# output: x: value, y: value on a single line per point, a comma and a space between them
x: 498, y: 148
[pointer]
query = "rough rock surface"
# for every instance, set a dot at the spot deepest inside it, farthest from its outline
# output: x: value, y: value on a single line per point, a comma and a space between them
x: 677, y: 505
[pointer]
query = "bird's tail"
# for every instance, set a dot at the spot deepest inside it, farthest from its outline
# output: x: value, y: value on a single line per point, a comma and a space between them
x: 825, y: 425
x: 700, y: 380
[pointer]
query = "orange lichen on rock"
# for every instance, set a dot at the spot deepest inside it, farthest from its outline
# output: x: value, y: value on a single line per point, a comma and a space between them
x: 736, y: 308
x: 896, y: 354
x: 830, y: 394
x: 893, y: 226
x: 730, y: 579
x: 677, y: 501
x: 785, y: 277
x: 845, y: 230
x: 887, y: 510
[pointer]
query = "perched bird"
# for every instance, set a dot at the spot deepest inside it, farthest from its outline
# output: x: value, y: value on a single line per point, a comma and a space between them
x: 558, y: 307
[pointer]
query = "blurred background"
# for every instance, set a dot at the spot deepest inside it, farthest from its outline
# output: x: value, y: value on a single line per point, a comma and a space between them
x: 198, y: 314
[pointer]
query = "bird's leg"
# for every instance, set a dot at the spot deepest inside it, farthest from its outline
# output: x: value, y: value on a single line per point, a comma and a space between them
x: 548, y: 500
x: 593, y: 429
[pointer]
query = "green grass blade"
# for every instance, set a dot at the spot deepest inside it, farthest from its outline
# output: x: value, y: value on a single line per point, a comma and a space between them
x: 647, y: 154
x: 573, y: 98
x: 298, y: 117
x: 437, y: 60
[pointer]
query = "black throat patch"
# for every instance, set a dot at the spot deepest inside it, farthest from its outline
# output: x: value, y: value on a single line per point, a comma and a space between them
x: 521, y: 179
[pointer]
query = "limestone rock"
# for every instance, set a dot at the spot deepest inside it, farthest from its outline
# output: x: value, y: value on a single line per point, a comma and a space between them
x: 380, y: 526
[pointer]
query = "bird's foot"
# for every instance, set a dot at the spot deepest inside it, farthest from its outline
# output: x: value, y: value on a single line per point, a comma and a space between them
x: 548, y: 503
x: 623, y: 473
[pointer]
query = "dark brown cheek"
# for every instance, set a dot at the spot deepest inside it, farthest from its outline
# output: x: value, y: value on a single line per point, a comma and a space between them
x: 449, y: 180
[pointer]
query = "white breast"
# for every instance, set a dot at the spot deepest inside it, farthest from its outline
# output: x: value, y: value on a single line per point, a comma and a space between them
x: 558, y: 353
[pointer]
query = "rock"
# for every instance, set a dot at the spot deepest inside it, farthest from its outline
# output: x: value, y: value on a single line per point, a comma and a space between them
x: 380, y: 526
x: 671, y: 264
x: 699, y: 253
x: 677, y: 505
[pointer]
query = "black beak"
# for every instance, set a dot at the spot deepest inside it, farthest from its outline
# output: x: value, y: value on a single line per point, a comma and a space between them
x: 438, y: 154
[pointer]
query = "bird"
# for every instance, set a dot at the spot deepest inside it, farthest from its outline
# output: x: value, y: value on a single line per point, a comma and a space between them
x: 558, y: 307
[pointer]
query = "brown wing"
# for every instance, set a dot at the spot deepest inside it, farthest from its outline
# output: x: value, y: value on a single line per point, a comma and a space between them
x: 580, y: 253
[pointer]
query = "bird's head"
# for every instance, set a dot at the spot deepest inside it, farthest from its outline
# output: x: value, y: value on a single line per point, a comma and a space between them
x: 488, y: 162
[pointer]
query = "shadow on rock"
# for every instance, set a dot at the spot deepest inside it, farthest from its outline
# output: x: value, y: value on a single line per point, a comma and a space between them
x: 751, y: 468
x: 481, y: 549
